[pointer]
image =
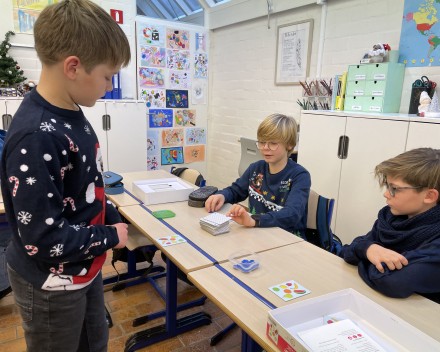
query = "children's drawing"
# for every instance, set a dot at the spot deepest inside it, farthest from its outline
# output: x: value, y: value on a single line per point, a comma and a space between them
x: 200, y: 65
x: 178, y: 59
x: 177, y: 98
x: 153, y: 162
x: 154, y: 98
x: 201, y: 41
x: 177, y: 39
x: 172, y: 137
x: 172, y: 155
x: 151, y: 34
x: 199, y: 92
x: 185, y: 117
x: 180, y: 79
x: 152, y: 56
x: 194, y: 153
x: 152, y: 142
x: 151, y: 77
x: 162, y: 118
x: 195, y: 136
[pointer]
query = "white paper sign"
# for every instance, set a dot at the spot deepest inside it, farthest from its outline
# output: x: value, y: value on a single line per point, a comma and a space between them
x: 381, y: 76
x: 358, y: 92
x: 292, y: 53
x: 377, y: 92
x: 375, y: 108
x: 356, y: 107
x: 360, y: 76
x: 342, y: 336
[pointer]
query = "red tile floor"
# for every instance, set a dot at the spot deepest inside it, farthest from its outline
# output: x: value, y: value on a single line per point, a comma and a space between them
x: 128, y: 304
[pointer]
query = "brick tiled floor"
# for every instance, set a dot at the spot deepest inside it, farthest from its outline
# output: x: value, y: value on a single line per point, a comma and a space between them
x: 128, y: 304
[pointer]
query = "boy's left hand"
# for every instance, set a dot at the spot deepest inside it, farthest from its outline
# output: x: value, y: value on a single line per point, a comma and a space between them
x: 241, y: 216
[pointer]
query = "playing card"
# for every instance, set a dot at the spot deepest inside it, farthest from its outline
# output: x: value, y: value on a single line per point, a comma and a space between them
x: 289, y: 290
x: 329, y: 320
x: 170, y: 240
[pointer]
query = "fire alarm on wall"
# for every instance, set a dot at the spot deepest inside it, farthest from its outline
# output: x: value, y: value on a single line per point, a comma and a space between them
x: 117, y: 16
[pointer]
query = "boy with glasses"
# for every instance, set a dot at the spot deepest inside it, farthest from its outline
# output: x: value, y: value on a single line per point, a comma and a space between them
x: 401, y: 254
x: 277, y: 187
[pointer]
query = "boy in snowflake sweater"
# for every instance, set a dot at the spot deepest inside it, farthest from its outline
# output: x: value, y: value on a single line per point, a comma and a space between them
x: 52, y: 182
x: 277, y: 187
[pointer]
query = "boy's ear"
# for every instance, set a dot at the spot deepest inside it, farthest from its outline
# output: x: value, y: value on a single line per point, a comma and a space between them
x: 431, y: 196
x: 71, y: 66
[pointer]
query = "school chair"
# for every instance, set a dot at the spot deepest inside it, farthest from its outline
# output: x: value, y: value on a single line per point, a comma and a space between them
x: 189, y: 175
x: 249, y: 154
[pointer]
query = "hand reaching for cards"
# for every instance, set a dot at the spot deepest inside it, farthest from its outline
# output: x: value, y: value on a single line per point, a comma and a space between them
x: 241, y: 216
x: 377, y: 255
x: 214, y: 202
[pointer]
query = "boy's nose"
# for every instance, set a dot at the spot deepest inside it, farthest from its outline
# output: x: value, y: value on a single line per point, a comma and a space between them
x: 387, y: 194
x: 109, y: 88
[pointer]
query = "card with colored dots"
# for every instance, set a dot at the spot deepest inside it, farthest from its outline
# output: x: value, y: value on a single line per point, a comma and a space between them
x: 289, y: 290
x: 170, y: 240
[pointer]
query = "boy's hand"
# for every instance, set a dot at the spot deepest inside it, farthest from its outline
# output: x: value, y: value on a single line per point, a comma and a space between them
x: 214, y: 202
x: 122, y: 234
x: 241, y: 216
x: 377, y: 254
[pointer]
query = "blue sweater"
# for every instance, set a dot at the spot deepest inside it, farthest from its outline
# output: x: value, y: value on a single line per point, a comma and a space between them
x: 53, y: 190
x: 280, y: 199
x: 423, y: 269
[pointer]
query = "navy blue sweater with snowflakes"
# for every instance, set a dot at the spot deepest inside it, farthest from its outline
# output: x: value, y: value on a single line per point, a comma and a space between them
x: 53, y: 190
x: 280, y: 199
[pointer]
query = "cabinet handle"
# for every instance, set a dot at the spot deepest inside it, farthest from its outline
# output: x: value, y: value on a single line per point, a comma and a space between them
x: 346, y: 143
x: 343, y: 147
x: 106, y: 123
x: 7, y: 119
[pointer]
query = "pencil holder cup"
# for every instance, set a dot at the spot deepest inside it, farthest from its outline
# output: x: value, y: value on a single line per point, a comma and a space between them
x: 393, y: 56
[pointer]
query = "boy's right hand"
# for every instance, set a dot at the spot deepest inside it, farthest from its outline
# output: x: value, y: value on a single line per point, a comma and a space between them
x: 122, y: 234
x: 214, y: 202
x: 377, y: 254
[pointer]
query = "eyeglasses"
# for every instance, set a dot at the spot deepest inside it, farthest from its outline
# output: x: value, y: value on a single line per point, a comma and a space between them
x: 271, y: 145
x: 392, y: 189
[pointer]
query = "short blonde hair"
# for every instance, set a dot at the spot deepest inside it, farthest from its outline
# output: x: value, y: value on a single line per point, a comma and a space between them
x: 418, y: 168
x: 83, y: 29
x: 279, y: 128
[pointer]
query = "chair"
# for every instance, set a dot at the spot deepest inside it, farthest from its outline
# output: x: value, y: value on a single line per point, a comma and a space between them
x: 249, y: 154
x: 189, y: 175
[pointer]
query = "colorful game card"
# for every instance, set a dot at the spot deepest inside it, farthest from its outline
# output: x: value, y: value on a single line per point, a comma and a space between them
x: 289, y: 290
x: 170, y: 240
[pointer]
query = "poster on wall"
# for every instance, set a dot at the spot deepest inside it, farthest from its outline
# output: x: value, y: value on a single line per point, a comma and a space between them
x: 194, y: 153
x: 199, y: 92
x: 151, y: 77
x: 161, y: 118
x: 177, y: 39
x: 152, y: 56
x: 26, y: 12
x: 294, y: 46
x: 173, y: 155
x: 154, y: 98
x: 185, y: 118
x: 195, y: 136
x: 151, y: 34
x: 178, y: 59
x: 177, y: 98
x: 153, y: 162
x: 179, y: 79
x: 200, y: 65
x: 420, y: 34
x: 153, y: 142
x: 172, y: 137
x: 201, y: 41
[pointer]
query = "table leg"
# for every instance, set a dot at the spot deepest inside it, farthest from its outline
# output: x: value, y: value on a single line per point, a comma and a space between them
x: 248, y: 344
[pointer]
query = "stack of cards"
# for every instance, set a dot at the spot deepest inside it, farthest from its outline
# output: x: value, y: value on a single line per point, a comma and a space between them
x: 215, y: 224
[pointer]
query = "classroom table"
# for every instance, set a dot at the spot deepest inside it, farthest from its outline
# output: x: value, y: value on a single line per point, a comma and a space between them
x: 313, y: 268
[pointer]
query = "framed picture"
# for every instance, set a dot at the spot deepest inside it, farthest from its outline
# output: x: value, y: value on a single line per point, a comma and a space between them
x: 294, y: 46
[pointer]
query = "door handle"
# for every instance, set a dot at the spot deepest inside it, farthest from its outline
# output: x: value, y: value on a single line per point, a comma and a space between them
x: 106, y: 123
x: 7, y: 119
x: 343, y: 147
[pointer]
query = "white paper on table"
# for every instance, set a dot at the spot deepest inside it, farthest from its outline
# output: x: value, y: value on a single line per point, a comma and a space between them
x: 344, y: 336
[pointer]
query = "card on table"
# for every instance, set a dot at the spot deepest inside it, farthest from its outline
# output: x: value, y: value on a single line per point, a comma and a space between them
x: 329, y: 320
x: 289, y: 290
x: 170, y: 240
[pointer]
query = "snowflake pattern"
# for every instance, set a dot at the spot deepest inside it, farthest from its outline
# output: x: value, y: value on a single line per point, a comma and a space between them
x: 31, y: 180
x: 57, y: 250
x: 24, y: 217
x: 87, y: 129
x: 70, y: 166
x: 76, y: 227
x: 68, y: 126
x: 88, y: 168
x: 52, y: 178
x: 47, y: 127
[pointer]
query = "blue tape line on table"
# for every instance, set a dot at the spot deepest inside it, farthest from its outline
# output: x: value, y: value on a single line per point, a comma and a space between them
x: 133, y: 196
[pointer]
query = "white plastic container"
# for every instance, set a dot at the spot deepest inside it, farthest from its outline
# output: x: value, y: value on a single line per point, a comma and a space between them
x: 160, y: 191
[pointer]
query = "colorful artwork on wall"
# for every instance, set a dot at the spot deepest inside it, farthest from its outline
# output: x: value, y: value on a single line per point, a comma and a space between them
x: 178, y: 59
x: 185, y: 118
x: 154, y: 98
x: 200, y: 65
x: 162, y: 118
x: 177, y: 98
x: 194, y: 153
x: 172, y: 137
x: 179, y: 79
x: 177, y: 39
x: 151, y: 77
x: 151, y: 34
x: 196, y: 136
x: 173, y: 155
x: 152, y: 56
x: 153, y: 162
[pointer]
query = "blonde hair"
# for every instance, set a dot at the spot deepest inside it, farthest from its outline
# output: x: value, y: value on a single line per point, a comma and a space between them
x: 418, y: 168
x: 279, y: 128
x: 83, y: 29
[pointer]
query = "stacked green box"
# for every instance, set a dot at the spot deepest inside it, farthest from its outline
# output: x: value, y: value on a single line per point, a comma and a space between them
x: 374, y: 87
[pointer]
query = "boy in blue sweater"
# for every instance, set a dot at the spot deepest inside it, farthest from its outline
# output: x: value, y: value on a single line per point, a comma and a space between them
x: 401, y: 254
x: 52, y: 182
x: 277, y: 187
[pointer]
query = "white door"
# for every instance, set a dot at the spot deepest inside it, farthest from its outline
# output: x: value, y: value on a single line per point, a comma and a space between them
x: 2, y: 111
x: 95, y: 116
x: 127, y: 138
x: 12, y: 106
x: 423, y: 135
x: 318, y: 153
x: 371, y: 141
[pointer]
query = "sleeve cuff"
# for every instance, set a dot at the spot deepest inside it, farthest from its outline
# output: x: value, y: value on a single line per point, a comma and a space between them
x: 113, y: 238
x: 360, y: 249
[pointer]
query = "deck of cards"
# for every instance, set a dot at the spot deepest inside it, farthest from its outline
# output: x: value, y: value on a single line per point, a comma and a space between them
x: 215, y: 223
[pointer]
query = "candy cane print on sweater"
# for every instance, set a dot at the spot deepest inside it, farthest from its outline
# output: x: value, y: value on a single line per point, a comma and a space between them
x: 71, y: 145
x: 34, y: 250
x: 60, y: 269
x: 63, y: 170
x: 70, y: 200
x: 92, y: 245
x: 12, y: 179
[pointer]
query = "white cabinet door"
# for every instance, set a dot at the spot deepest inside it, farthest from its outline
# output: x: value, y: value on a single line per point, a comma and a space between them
x: 371, y: 141
x: 318, y: 153
x: 423, y: 135
x: 2, y: 111
x: 127, y: 138
x: 12, y: 106
x: 94, y: 115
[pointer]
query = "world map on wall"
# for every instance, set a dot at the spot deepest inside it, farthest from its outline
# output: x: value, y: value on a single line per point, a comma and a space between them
x: 420, y: 35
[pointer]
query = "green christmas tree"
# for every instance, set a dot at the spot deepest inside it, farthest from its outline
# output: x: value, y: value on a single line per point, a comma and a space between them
x: 10, y: 73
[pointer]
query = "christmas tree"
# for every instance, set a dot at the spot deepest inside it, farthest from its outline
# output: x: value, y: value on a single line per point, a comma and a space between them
x: 10, y: 73
x: 433, y: 107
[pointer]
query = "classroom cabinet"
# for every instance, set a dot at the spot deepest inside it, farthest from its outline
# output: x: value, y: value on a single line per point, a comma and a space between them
x: 8, y: 108
x: 422, y: 134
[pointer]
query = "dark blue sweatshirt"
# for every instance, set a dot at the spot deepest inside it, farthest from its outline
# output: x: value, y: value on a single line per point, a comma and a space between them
x: 280, y: 199
x: 53, y: 190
